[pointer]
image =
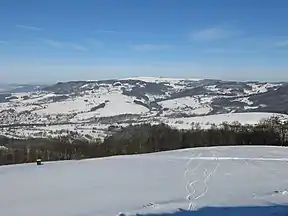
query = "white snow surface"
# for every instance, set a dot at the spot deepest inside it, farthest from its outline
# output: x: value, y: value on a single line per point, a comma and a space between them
x: 191, y: 105
x: 205, y: 122
x: 217, y: 181
x: 124, y: 105
x: 180, y: 103
x: 260, y: 88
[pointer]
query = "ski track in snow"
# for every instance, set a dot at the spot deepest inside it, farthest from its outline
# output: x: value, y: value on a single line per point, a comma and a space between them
x: 190, y: 183
x: 190, y: 188
x: 231, y: 158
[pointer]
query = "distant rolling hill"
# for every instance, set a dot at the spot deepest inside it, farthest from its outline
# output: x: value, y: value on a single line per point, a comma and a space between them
x: 87, y: 106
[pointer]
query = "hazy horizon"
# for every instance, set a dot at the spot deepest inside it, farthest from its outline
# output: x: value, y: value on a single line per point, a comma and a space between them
x: 119, y: 78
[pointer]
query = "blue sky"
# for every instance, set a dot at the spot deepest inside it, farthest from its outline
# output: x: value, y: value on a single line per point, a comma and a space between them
x: 48, y: 41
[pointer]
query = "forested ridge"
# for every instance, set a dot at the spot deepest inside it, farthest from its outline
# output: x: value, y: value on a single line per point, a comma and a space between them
x: 143, y: 138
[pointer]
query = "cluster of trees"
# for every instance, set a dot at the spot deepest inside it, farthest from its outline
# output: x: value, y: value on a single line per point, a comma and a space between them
x: 144, y: 138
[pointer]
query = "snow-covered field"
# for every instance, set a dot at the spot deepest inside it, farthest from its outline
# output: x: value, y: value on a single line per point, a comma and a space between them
x: 260, y: 88
x: 218, y: 181
x: 89, y: 131
x: 251, y: 118
x: 188, y: 105
x: 100, y: 130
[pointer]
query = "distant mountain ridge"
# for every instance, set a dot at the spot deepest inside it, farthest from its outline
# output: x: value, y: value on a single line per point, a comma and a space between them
x: 14, y: 88
x: 264, y: 96
x: 134, y: 100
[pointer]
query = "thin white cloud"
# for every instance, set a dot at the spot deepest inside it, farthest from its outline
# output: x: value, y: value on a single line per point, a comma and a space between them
x: 52, y: 43
x: 94, y: 42
x: 214, y: 33
x: 64, y: 44
x: 77, y: 47
x: 282, y: 43
x: 106, y: 31
x: 3, y: 42
x: 151, y: 47
x: 27, y: 27
x: 228, y: 51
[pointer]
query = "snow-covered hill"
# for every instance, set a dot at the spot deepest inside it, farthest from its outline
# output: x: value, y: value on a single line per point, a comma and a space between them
x: 90, y: 107
x: 209, y: 181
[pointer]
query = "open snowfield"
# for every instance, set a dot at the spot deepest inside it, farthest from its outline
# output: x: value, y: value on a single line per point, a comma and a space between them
x: 191, y: 105
x: 250, y: 118
x: 205, y: 181
x: 84, y: 104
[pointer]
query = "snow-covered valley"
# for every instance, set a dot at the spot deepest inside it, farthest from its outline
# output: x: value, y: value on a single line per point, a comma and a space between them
x: 94, y: 108
x: 202, y: 181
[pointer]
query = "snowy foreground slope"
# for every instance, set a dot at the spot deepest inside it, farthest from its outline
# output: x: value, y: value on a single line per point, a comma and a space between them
x: 205, y: 181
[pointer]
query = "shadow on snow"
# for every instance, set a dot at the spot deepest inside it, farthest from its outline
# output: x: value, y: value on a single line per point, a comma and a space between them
x: 275, y: 210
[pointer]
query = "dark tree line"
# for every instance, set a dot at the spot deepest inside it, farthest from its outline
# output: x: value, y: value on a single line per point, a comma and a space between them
x: 143, y: 138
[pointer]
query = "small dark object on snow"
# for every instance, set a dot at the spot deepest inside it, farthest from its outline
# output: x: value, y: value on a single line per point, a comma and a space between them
x: 39, y: 162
